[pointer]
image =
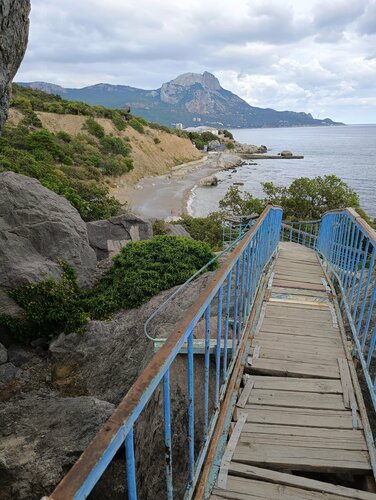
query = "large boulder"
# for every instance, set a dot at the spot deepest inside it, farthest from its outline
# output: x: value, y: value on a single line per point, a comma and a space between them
x: 42, y: 435
x: 108, y: 237
x: 38, y: 229
x: 14, y: 29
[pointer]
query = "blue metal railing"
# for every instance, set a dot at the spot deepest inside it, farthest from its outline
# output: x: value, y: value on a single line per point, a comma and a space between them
x: 304, y: 232
x: 222, y: 310
x: 348, y: 245
x: 234, y: 228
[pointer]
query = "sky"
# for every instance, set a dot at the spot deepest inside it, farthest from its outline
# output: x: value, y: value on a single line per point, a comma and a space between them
x: 317, y: 56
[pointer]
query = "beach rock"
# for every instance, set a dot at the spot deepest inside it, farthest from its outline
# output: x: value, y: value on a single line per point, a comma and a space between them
x: 3, y: 354
x: 262, y: 149
x: 286, y: 153
x: 108, y: 237
x: 177, y: 230
x: 42, y: 436
x: 14, y: 29
x: 38, y: 229
x: 211, y: 180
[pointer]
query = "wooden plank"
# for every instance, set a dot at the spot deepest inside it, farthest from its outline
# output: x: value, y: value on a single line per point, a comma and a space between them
x: 280, y: 367
x: 244, y: 489
x: 296, y: 399
x: 306, y: 417
x: 298, y: 384
x: 297, y: 291
x: 347, y: 387
x: 290, y: 345
x: 244, y: 396
x: 326, y: 357
x: 301, y: 312
x: 272, y: 326
x: 299, y: 277
x: 290, y: 301
x: 297, y: 284
x: 284, y: 338
x: 303, y: 458
x: 253, y: 472
x: 231, y: 446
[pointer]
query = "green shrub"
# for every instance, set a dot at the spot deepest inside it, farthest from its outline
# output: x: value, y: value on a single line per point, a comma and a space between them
x: 156, y: 140
x: 119, y: 121
x: 50, y: 307
x: 44, y: 140
x: 114, y: 145
x: 94, y: 128
x: 137, y: 125
x: 227, y: 134
x: 143, y: 269
x: 230, y: 145
x: 159, y: 227
x: 208, y: 229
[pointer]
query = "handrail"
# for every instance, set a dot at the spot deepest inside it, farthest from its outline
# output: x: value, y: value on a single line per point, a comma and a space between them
x: 186, y: 283
x: 348, y: 246
x: 232, y: 291
x: 303, y: 232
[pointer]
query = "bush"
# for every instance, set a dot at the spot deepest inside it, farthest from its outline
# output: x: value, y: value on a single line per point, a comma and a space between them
x: 159, y: 227
x: 208, y: 229
x: 137, y: 125
x: 230, y: 145
x: 156, y: 140
x: 143, y: 269
x: 119, y: 121
x: 50, y: 307
x: 114, y: 145
x: 94, y: 128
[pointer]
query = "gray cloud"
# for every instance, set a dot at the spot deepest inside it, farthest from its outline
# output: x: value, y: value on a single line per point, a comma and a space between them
x: 317, y: 58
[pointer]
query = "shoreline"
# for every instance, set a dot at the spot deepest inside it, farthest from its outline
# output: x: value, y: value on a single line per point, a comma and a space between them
x: 167, y: 196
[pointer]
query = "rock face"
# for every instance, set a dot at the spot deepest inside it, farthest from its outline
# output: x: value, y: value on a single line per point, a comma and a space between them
x: 286, y: 153
x: 38, y: 229
x: 14, y: 29
x: 42, y: 436
x: 108, y: 237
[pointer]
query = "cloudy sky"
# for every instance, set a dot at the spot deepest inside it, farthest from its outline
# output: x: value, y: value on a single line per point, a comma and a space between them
x: 317, y: 56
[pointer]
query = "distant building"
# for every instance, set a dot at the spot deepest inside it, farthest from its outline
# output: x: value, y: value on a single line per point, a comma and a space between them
x: 179, y: 126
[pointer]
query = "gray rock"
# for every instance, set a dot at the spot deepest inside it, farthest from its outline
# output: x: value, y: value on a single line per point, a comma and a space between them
x: 7, y: 373
x: 177, y: 230
x: 19, y: 355
x: 38, y: 228
x: 14, y: 29
x: 108, y: 237
x: 42, y: 436
x: 3, y: 354
x: 286, y: 153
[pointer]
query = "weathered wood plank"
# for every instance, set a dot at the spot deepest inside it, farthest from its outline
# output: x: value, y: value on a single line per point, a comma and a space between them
x: 297, y: 284
x: 296, y: 399
x: 301, y: 417
x: 300, y: 348
x: 281, y: 367
x: 298, y: 384
x: 244, y: 489
x: 299, y: 292
x: 253, y: 472
x: 302, y: 458
x: 288, y: 338
x: 325, y: 357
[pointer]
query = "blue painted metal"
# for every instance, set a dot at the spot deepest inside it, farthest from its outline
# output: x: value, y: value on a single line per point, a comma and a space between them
x: 345, y: 243
x: 206, y: 371
x: 191, y: 412
x: 130, y: 466
x: 218, y: 348
x: 305, y: 233
x: 238, y: 279
x: 167, y: 434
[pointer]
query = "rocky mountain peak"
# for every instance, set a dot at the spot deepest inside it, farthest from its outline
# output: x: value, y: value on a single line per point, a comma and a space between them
x: 171, y: 91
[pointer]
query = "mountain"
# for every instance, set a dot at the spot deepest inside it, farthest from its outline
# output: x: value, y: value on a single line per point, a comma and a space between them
x: 191, y: 99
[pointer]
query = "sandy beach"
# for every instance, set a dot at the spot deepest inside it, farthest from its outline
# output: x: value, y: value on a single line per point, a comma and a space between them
x: 167, y: 195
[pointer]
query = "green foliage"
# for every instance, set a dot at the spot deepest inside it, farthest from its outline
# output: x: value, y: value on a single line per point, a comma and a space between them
x: 208, y: 229
x: 156, y: 140
x: 230, y: 145
x: 227, y: 134
x: 50, y: 307
x: 119, y: 121
x: 208, y: 136
x: 159, y: 227
x: 137, y: 124
x: 94, y: 128
x: 114, y: 145
x: 143, y: 269
x: 237, y: 203
x: 304, y: 199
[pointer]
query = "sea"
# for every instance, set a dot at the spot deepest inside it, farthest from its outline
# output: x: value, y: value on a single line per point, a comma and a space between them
x: 346, y: 151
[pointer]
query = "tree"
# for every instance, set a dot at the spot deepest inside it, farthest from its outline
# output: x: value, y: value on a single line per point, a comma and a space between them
x: 304, y: 199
